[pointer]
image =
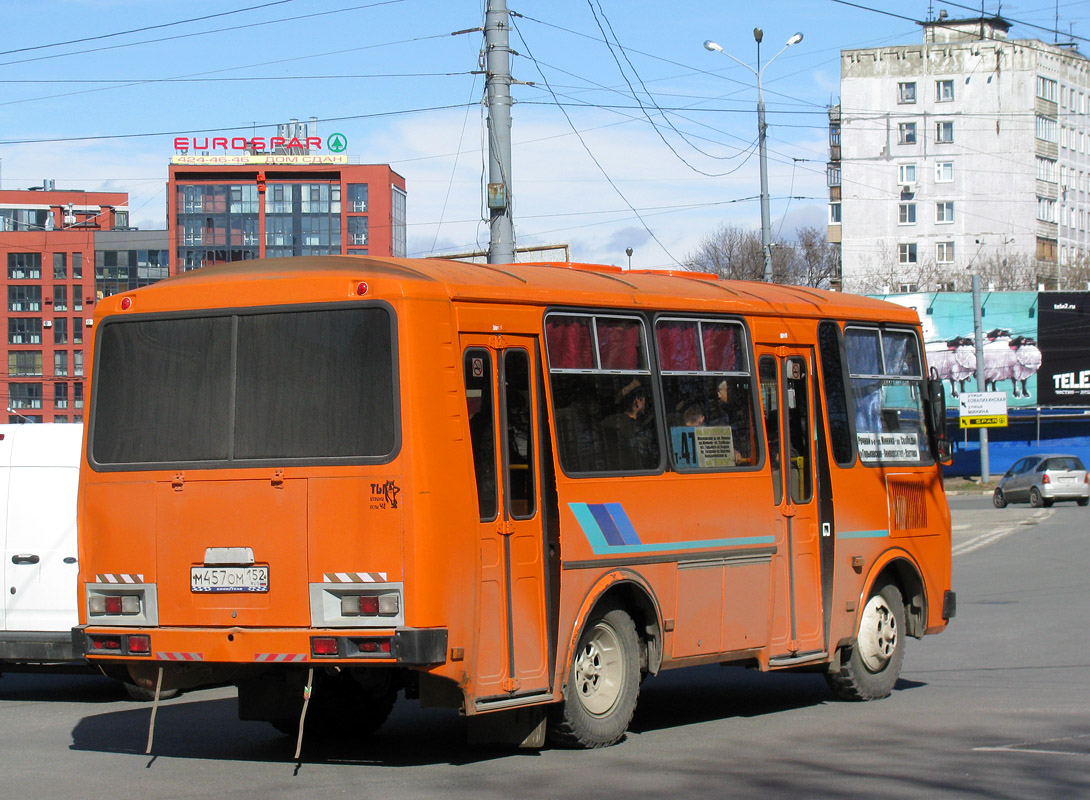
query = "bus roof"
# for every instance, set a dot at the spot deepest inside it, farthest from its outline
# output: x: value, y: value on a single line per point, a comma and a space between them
x: 305, y: 279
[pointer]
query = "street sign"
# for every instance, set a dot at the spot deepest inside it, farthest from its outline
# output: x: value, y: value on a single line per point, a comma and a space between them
x: 982, y: 409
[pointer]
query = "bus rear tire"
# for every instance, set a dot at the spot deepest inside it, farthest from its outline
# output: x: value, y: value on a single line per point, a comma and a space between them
x: 870, y: 667
x: 344, y: 707
x: 603, y: 684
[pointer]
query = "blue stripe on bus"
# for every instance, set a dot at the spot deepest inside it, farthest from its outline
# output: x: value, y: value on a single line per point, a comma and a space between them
x: 609, y: 531
x: 606, y: 524
x: 862, y: 534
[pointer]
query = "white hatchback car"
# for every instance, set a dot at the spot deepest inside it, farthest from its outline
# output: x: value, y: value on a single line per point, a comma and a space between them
x: 1041, y: 480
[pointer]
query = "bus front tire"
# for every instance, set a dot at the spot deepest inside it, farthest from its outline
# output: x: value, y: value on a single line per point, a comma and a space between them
x: 603, y: 684
x: 870, y: 667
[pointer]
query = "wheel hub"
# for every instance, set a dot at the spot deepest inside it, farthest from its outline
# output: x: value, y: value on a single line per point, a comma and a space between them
x: 599, y: 670
x: 877, y: 634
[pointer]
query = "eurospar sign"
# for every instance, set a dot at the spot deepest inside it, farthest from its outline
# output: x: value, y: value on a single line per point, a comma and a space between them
x: 249, y: 150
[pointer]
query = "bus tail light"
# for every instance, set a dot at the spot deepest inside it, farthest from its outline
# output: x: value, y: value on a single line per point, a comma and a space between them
x: 371, y: 605
x: 139, y: 644
x: 113, y: 604
x: 324, y: 645
x: 104, y: 644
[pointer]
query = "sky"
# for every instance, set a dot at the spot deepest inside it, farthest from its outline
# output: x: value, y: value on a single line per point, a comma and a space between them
x: 627, y: 132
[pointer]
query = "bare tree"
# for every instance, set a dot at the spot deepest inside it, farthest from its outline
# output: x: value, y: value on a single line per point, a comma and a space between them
x: 737, y: 253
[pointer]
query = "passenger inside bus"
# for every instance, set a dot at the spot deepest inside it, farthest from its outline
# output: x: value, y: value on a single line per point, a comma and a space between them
x: 630, y: 436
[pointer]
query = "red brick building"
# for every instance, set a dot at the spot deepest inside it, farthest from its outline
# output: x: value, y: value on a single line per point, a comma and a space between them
x: 47, y: 245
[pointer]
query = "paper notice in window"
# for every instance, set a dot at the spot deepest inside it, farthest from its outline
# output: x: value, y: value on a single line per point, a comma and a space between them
x: 888, y: 446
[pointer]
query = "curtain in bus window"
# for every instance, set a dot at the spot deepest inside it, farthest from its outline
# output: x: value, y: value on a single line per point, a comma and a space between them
x: 902, y: 355
x: 570, y: 342
x: 314, y: 384
x: 161, y: 390
x: 678, y: 347
x: 721, y: 347
x: 619, y: 344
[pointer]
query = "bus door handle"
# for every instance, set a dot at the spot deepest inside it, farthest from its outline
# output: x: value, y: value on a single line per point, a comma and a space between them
x: 25, y: 558
x: 505, y: 527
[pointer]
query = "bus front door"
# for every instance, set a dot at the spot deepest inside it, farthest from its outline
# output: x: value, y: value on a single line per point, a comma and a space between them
x: 511, y: 649
x: 787, y: 394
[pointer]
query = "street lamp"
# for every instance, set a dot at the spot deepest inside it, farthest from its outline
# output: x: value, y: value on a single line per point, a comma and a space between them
x: 766, y: 225
x: 628, y: 252
x: 29, y: 421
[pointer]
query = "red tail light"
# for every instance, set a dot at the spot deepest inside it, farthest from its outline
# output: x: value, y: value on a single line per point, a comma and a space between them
x: 139, y: 644
x: 1045, y: 478
x: 374, y: 645
x: 324, y: 646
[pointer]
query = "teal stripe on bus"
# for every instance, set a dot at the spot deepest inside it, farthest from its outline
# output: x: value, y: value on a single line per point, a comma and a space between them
x: 863, y: 534
x: 598, y: 544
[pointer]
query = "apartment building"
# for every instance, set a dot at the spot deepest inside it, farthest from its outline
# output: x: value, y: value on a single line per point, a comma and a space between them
x: 967, y: 153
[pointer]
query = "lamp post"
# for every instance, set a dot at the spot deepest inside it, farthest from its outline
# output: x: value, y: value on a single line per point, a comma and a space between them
x: 628, y: 252
x: 29, y: 421
x: 766, y: 224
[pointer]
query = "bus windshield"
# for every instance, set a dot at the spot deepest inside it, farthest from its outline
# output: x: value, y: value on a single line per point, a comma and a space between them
x: 222, y: 390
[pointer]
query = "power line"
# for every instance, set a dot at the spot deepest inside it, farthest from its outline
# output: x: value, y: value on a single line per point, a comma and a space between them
x: 141, y: 30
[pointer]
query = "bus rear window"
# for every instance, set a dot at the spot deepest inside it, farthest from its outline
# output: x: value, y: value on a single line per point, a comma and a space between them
x: 887, y: 395
x: 224, y: 390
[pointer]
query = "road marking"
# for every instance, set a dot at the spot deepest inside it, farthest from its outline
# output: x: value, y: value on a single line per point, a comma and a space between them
x: 1035, y: 747
x: 991, y: 537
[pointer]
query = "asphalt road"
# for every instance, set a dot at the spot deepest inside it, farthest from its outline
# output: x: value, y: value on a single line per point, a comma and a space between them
x: 996, y: 707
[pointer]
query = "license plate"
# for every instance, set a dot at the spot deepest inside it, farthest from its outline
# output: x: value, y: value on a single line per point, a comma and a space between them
x: 229, y: 579
x: 1067, y: 479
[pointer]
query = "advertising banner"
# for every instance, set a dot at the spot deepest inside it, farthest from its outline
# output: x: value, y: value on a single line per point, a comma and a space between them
x: 1064, y: 334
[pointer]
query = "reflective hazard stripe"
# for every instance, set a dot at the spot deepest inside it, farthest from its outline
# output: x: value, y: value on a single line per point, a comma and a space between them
x: 354, y: 577
x: 180, y: 656
x: 279, y: 658
x: 119, y: 577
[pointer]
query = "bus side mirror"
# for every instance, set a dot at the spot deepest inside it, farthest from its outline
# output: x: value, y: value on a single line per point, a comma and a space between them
x: 936, y: 395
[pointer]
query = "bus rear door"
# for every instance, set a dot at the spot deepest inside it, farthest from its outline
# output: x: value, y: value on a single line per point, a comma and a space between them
x: 787, y: 393
x: 502, y: 401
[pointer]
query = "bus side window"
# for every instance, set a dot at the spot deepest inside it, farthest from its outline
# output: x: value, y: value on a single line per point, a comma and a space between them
x: 482, y: 429
x: 520, y: 440
x: 770, y: 400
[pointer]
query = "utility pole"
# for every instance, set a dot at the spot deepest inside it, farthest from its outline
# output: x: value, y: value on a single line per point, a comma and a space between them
x: 978, y: 330
x: 497, y: 56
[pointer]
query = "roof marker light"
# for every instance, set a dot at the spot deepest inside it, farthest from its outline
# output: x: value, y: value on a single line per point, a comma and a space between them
x: 362, y: 288
x: 126, y: 303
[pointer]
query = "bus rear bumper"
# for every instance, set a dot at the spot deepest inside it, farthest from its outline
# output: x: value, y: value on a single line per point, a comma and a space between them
x: 398, y: 646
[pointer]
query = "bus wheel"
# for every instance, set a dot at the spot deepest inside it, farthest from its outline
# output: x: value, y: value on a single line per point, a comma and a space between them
x: 603, y: 684
x: 870, y: 667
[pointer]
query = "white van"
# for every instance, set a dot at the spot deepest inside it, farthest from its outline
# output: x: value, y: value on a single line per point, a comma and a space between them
x: 39, y: 471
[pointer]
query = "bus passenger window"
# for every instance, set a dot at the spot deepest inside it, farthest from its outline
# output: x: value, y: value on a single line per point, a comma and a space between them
x: 520, y: 441
x: 798, y: 429
x: 770, y: 400
x: 482, y: 432
x: 601, y: 392
x: 708, y: 392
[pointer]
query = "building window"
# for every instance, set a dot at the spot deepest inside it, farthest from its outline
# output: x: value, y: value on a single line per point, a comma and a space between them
x: 1046, y: 88
x: 1046, y: 169
x: 60, y: 266
x: 1046, y: 210
x: 834, y: 134
x: 908, y: 288
x: 77, y: 330
x: 22, y: 363
x: 357, y: 230
x: 398, y: 221
x: 24, y: 330
x: 906, y: 253
x: 906, y: 174
x: 832, y: 174
x: 944, y: 132
x: 357, y: 198
x: 60, y: 395
x: 944, y: 91
x: 77, y: 265
x: 1047, y: 129
x: 944, y: 212
x: 77, y: 397
x: 60, y: 364
x: 906, y: 214
x: 906, y: 92
x: 944, y: 252
x: 60, y: 330
x: 25, y: 395
x: 60, y: 298
x: 77, y: 298
x: 944, y: 172
x: 24, y: 266
x: 121, y: 219
x: 24, y: 298
x: 77, y: 363
x: 834, y: 213
x: 906, y: 133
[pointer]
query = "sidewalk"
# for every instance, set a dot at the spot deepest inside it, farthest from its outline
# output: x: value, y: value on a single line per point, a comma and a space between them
x: 968, y: 486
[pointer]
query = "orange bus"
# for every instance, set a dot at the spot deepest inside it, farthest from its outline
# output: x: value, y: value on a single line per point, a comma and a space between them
x: 511, y: 490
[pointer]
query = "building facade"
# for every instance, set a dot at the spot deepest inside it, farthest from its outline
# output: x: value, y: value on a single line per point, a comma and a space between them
x: 267, y: 206
x: 47, y: 243
x: 967, y: 153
